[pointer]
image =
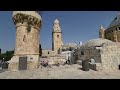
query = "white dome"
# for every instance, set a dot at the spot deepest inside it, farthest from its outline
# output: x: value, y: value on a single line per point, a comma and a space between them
x: 70, y: 45
x: 95, y: 42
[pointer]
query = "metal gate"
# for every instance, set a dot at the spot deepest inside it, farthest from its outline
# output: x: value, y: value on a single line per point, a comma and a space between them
x: 22, y: 63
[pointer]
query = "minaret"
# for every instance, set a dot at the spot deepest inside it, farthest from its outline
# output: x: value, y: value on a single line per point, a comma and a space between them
x: 102, y: 32
x: 26, y: 54
x: 56, y: 37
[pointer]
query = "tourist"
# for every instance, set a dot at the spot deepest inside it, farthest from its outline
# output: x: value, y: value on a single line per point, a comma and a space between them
x: 69, y: 61
x: 92, y: 61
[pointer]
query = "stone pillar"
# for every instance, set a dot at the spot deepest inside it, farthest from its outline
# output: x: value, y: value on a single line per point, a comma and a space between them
x: 115, y: 36
x: 27, y: 24
x: 102, y: 32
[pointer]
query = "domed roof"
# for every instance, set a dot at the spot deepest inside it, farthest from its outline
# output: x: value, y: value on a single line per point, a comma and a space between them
x: 115, y: 22
x: 56, y: 21
x: 70, y: 45
x: 95, y: 42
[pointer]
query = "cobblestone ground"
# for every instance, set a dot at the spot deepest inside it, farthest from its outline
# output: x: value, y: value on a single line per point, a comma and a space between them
x: 61, y: 72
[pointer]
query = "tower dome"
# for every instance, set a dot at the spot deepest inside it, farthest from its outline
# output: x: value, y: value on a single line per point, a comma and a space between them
x: 56, y: 21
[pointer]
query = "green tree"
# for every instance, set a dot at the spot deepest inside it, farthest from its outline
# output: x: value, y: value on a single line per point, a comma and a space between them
x: 7, y: 56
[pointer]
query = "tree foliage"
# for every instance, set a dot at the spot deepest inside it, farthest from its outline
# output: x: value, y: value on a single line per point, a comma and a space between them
x: 7, y: 55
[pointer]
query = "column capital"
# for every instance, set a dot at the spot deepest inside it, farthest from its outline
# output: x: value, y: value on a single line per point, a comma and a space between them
x: 29, y: 17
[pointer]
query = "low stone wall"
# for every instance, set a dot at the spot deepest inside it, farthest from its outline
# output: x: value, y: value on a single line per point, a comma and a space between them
x: 32, y: 62
x: 56, y: 59
x: 110, y: 56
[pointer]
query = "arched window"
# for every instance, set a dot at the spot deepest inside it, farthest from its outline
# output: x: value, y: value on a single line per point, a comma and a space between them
x: 57, y: 36
x: 24, y: 38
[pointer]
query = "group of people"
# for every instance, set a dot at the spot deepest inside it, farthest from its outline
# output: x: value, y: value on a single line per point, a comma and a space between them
x: 44, y: 64
x: 3, y: 64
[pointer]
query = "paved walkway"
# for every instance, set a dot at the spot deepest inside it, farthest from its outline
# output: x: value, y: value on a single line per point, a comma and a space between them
x: 61, y: 72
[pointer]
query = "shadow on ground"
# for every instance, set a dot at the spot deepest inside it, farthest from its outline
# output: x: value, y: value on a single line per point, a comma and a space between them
x: 79, y: 68
x: 3, y: 70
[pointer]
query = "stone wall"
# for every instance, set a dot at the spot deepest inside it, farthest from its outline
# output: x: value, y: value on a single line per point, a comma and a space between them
x: 107, y: 57
x: 57, y: 59
x: 32, y: 62
x: 47, y: 53
x: 88, y: 54
x: 110, y: 56
x: 57, y: 41
x: 27, y: 42
x: 109, y: 33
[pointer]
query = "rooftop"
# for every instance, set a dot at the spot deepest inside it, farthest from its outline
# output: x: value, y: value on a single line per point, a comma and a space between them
x: 95, y: 42
x: 115, y: 22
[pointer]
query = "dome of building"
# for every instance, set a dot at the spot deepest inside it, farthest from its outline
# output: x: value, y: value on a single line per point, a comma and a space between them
x: 70, y: 45
x: 115, y: 22
x: 56, y: 21
x: 67, y: 46
x: 95, y: 42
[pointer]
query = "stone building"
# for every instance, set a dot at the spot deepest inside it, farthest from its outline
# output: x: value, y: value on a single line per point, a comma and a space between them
x: 56, y: 37
x: 26, y: 54
x: 113, y: 30
x: 47, y: 53
x: 106, y: 53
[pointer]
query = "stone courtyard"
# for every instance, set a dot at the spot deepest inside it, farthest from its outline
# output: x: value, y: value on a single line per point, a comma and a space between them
x: 61, y: 72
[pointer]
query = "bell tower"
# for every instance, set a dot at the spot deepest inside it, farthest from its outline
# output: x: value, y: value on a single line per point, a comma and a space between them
x: 56, y: 37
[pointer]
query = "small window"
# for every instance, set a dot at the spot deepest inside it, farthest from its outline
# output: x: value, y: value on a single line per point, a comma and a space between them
x: 24, y: 38
x: 57, y: 36
x: 116, y: 29
x: 82, y: 53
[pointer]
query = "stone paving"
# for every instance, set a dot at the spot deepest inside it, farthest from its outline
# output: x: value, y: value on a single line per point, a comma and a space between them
x: 61, y: 72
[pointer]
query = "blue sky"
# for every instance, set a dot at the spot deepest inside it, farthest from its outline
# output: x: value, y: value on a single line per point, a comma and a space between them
x: 76, y: 26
